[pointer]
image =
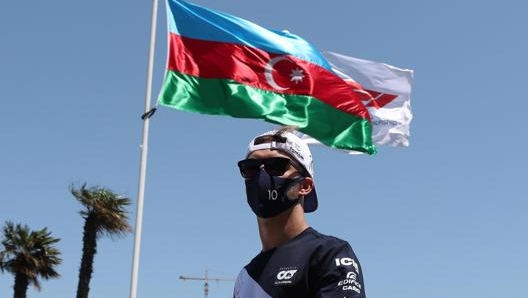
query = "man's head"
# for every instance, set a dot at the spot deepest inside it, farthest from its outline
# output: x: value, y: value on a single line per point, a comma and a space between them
x: 278, y: 162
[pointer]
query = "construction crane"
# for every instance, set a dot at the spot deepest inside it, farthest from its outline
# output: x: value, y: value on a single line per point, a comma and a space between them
x: 206, y: 280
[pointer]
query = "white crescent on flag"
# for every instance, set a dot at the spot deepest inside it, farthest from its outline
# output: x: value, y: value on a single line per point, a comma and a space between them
x: 268, y: 73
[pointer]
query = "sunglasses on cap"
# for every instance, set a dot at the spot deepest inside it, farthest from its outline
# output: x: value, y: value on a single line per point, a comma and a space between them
x: 274, y: 166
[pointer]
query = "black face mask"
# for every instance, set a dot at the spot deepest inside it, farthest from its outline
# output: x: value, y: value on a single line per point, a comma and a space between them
x: 266, y: 194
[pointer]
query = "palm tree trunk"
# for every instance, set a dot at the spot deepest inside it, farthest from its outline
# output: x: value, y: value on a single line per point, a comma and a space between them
x: 21, y: 285
x: 89, y: 251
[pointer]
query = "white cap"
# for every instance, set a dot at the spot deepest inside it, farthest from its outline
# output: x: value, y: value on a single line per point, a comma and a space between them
x: 295, y: 147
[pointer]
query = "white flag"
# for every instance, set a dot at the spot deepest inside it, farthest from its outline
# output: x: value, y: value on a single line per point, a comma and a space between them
x: 390, y: 87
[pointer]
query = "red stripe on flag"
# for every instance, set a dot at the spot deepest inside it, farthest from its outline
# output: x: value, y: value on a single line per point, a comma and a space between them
x: 276, y: 73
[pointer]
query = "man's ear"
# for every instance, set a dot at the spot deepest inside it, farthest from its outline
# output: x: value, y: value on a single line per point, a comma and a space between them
x: 306, y: 186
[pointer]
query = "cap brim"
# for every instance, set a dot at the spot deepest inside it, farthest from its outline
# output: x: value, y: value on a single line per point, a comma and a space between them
x: 310, y: 201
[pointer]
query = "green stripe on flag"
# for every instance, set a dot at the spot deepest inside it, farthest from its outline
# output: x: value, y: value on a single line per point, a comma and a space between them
x: 328, y: 125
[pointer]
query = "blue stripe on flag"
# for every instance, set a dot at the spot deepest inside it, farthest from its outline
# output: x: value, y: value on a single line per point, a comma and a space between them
x: 193, y: 21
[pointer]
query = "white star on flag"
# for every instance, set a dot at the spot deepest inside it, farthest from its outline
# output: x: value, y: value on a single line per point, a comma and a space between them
x: 297, y: 75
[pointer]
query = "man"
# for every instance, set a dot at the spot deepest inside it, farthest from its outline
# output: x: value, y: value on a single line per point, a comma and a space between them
x: 296, y: 261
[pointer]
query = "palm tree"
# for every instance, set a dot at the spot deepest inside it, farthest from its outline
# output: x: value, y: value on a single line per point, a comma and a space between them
x: 104, y: 214
x: 28, y: 255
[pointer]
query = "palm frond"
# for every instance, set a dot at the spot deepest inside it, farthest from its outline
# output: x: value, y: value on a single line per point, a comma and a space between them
x: 30, y: 253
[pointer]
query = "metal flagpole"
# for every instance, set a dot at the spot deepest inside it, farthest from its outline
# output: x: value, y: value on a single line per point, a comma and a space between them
x: 144, y: 150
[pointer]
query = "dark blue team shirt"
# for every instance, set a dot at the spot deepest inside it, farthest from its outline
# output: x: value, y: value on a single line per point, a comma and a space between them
x: 311, y: 265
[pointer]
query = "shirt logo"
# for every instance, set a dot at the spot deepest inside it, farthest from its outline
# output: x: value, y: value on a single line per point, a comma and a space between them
x: 347, y: 262
x: 285, y: 276
x: 351, y: 275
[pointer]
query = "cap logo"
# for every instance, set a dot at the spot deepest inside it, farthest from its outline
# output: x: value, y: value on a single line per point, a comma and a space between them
x: 296, y: 153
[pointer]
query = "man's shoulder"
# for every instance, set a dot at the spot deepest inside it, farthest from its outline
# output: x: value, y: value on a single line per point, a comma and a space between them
x: 325, y: 239
x: 313, y: 244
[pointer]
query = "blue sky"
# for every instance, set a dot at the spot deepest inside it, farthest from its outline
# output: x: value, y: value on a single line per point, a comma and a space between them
x: 444, y: 217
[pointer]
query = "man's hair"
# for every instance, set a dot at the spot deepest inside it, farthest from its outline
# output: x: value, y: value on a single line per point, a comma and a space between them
x: 288, y: 128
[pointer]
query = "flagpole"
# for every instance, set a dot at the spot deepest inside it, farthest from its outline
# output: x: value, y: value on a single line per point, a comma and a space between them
x: 144, y: 151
